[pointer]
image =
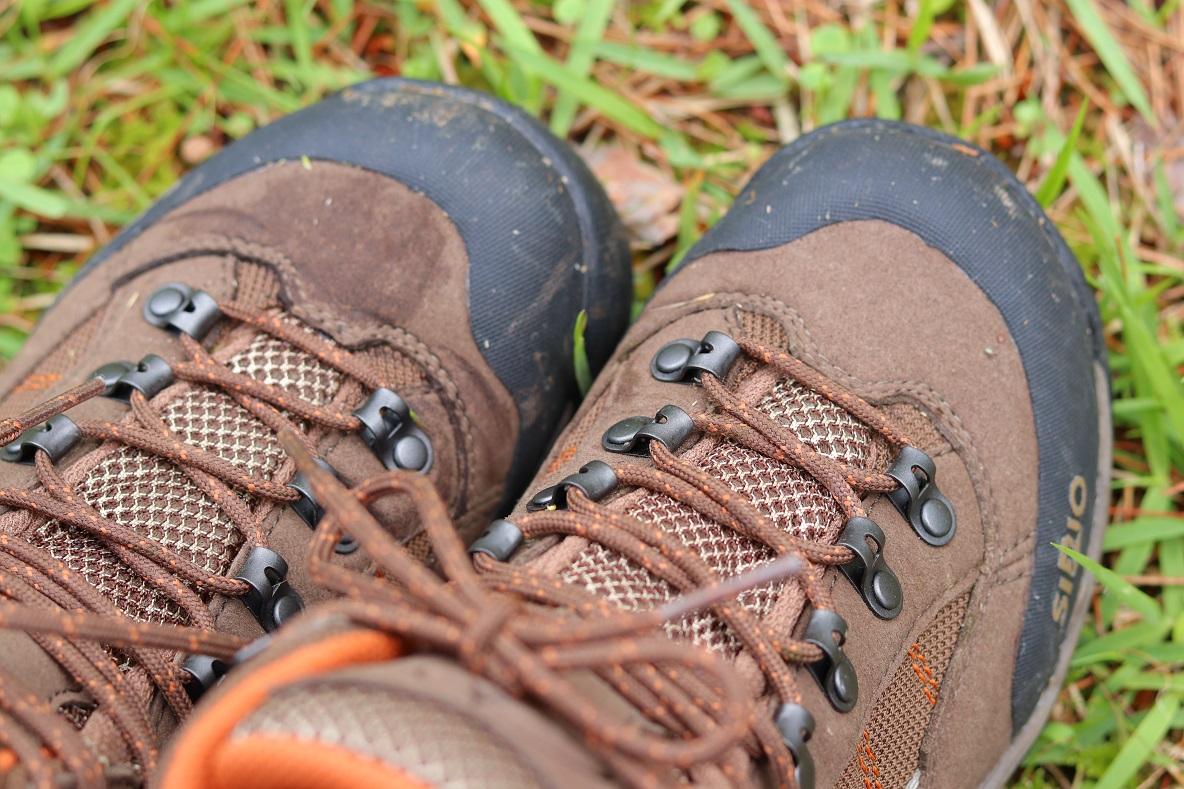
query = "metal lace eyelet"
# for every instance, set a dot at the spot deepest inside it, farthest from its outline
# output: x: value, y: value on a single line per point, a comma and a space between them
x: 310, y: 510
x: 178, y: 307
x: 150, y: 376
x: 796, y: 726
x: 500, y: 541
x: 834, y: 672
x: 684, y: 361
x: 391, y: 433
x: 205, y: 672
x: 55, y: 437
x: 868, y: 571
x: 270, y: 598
x: 672, y: 426
x: 595, y: 480
x: 918, y: 498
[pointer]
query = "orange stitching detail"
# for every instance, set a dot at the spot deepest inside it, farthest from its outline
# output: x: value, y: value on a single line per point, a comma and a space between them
x: 37, y: 382
x: 567, y: 454
x: 871, y: 772
x: 921, y: 667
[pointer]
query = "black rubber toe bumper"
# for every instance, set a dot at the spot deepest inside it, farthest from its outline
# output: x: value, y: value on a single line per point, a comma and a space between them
x: 542, y: 238
x: 956, y: 198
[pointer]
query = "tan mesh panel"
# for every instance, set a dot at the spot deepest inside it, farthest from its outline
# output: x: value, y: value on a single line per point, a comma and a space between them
x: 276, y: 363
x: 158, y: 500
x: 792, y: 499
x: 887, y: 754
x: 441, y: 747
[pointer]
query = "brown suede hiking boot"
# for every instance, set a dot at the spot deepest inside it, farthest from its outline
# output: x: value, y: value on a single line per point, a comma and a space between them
x: 393, y: 274
x: 883, y: 366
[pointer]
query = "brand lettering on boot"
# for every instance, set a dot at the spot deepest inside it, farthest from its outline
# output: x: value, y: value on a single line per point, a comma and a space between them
x: 1069, y: 569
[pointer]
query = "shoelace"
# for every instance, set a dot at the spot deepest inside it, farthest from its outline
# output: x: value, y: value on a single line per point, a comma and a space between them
x: 575, y: 512
x: 526, y: 649
x: 29, y: 575
x: 527, y: 631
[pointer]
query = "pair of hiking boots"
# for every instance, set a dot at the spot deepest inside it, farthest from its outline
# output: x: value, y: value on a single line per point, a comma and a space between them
x: 800, y: 530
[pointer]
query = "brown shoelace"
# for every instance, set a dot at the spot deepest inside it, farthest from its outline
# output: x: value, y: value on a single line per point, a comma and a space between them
x: 669, y: 560
x: 526, y: 649
x: 527, y: 631
x: 29, y: 576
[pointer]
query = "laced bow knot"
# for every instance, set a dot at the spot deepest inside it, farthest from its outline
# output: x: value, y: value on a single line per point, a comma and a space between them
x: 528, y: 631
x: 528, y: 649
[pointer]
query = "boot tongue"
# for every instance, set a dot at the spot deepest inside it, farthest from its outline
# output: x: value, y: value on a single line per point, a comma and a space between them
x: 792, y: 499
x: 423, y: 716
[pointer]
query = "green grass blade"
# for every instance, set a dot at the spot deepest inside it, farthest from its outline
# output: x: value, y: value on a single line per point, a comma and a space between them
x: 765, y: 44
x: 1054, y: 181
x: 923, y: 24
x: 688, y: 221
x: 89, y: 35
x: 1155, y: 376
x: 297, y: 17
x: 580, y: 354
x: 1136, y: 750
x: 1097, y: 32
x: 1142, y: 530
x: 1116, y: 645
x: 520, y: 42
x: 641, y: 59
x: 34, y: 198
x: 583, y: 55
x: 511, y: 26
x: 605, y: 101
x: 1127, y: 593
x: 1152, y: 680
x: 1165, y: 202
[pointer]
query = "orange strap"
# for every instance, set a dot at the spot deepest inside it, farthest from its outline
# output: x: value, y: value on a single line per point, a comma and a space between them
x: 196, y: 751
x: 272, y: 762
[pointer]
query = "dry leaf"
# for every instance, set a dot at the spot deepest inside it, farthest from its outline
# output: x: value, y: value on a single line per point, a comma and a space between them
x: 646, y: 198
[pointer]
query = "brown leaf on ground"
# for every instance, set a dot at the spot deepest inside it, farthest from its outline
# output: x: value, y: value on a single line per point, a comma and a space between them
x: 647, y: 198
x: 1163, y: 146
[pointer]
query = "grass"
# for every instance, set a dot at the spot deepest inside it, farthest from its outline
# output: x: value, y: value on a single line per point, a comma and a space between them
x: 103, y: 105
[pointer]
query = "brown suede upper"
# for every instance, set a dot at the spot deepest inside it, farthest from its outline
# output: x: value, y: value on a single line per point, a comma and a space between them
x: 936, y: 357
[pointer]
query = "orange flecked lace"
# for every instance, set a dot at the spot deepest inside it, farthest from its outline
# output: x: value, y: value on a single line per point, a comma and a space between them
x: 530, y: 632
